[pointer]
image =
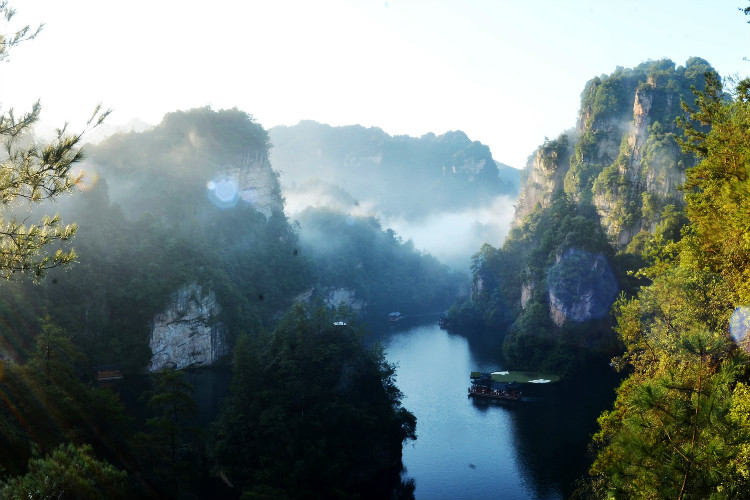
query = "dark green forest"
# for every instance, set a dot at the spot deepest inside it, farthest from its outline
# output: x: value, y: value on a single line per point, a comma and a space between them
x: 149, y: 221
x: 630, y: 248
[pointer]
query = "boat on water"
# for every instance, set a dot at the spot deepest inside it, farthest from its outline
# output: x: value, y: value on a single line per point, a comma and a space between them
x: 485, y: 386
x: 394, y: 316
x: 482, y: 392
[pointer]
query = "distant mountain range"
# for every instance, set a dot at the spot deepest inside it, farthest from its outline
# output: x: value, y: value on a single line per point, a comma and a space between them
x: 366, y: 171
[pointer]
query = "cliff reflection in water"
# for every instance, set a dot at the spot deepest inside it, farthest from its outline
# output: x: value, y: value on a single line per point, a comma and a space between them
x: 527, y: 450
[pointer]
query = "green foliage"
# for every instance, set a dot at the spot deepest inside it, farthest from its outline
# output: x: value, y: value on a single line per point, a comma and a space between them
x: 678, y: 428
x: 31, y: 173
x: 68, y: 472
x: 47, y: 402
x: 130, y: 267
x: 167, y: 449
x: 312, y: 413
x: 669, y: 435
x: 716, y: 189
x: 560, y: 249
x: 382, y: 269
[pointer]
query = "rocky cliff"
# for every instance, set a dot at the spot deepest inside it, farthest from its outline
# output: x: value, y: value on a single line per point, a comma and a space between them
x: 187, y: 333
x: 622, y: 156
x: 201, y: 178
x: 589, y: 200
x: 250, y: 179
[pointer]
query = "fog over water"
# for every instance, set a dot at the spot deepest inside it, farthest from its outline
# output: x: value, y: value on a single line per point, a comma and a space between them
x: 451, y: 237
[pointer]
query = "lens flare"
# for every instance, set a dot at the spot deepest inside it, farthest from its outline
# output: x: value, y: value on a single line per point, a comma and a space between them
x: 223, y: 192
x: 739, y: 323
x: 88, y: 179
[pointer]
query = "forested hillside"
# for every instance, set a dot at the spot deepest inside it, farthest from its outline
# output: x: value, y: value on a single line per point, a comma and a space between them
x: 194, y: 200
x: 680, y: 427
x: 593, y: 199
x: 188, y: 216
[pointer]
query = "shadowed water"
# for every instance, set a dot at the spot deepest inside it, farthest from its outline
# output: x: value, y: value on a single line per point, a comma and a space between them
x: 533, y: 449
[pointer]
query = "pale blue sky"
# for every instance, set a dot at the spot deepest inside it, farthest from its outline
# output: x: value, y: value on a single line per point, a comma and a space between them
x: 508, y: 73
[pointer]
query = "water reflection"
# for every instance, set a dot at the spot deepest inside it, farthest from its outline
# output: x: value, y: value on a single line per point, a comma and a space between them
x: 532, y: 449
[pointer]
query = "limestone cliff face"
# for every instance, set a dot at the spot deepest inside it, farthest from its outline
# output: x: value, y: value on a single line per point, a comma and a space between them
x: 334, y: 297
x: 581, y: 286
x: 251, y: 179
x: 547, y: 172
x: 347, y: 297
x: 646, y: 174
x: 624, y: 160
x: 187, y: 334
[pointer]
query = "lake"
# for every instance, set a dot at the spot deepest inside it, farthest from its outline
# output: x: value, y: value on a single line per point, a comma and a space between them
x: 530, y: 449
x: 514, y: 450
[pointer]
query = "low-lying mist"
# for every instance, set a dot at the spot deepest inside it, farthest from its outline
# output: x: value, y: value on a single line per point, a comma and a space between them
x: 451, y: 237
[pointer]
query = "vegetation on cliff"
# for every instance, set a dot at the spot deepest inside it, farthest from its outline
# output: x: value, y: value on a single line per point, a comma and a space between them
x: 679, y: 426
x: 513, y: 285
x: 597, y: 203
x: 383, y: 271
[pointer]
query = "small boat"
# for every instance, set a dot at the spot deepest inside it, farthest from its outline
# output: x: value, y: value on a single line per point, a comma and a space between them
x: 394, y: 316
x: 483, y: 392
x: 487, y: 386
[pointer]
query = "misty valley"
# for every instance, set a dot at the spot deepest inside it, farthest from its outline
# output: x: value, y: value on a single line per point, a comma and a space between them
x: 313, y: 311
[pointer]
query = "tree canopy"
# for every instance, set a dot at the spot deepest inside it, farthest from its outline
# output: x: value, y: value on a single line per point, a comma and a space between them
x: 679, y: 427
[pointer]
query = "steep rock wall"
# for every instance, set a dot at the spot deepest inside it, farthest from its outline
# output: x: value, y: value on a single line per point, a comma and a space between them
x: 580, y: 286
x: 625, y: 160
x: 187, y: 334
x: 346, y: 296
x: 252, y: 180
x: 547, y: 171
x: 645, y: 176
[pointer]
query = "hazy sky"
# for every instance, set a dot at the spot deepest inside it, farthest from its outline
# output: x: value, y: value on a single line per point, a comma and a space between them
x: 508, y: 73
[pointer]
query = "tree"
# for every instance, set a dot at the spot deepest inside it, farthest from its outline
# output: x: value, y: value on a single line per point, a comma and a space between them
x: 312, y: 413
x: 679, y: 427
x: 171, y: 400
x: 68, y: 473
x: 31, y: 173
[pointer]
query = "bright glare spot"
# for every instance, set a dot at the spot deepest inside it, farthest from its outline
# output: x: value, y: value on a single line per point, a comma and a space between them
x: 88, y: 179
x: 739, y: 323
x: 226, y: 190
x: 223, y: 192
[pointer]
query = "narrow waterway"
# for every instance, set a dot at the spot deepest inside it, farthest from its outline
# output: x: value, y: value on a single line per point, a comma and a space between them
x: 532, y: 449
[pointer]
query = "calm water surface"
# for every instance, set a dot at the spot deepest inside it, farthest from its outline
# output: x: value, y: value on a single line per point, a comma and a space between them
x: 531, y: 449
